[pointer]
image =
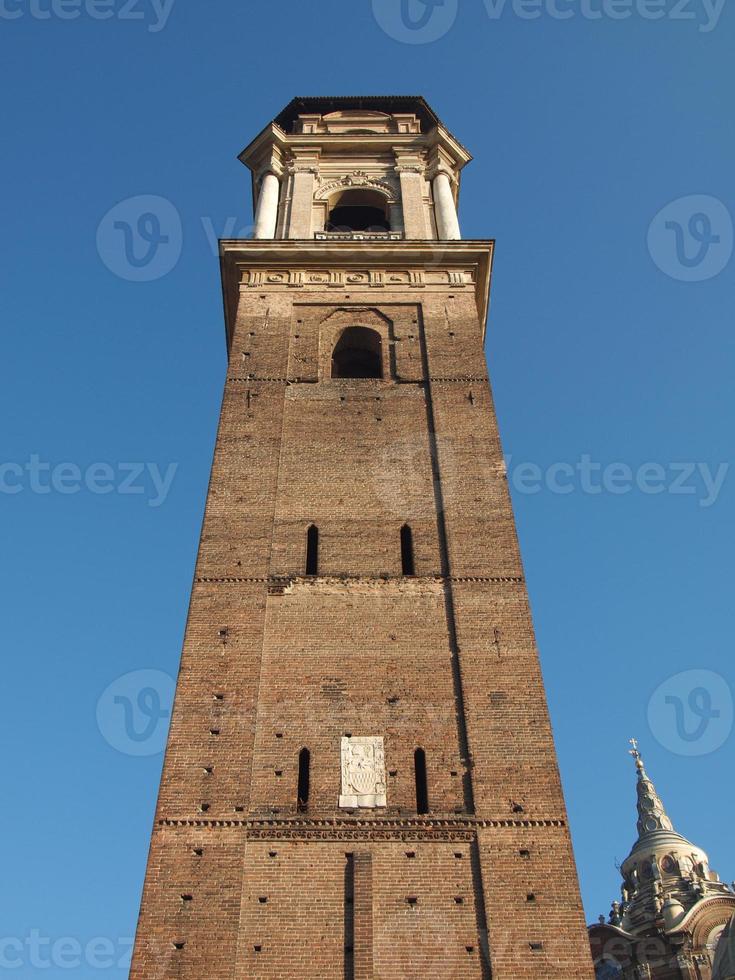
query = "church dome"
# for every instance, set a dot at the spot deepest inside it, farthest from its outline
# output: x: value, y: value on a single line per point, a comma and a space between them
x: 665, y: 876
x: 664, y: 852
x: 670, y: 896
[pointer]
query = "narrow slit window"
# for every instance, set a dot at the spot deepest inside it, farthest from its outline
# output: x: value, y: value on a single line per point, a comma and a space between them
x: 312, y: 550
x: 422, y: 787
x: 303, y: 787
x: 349, y: 917
x: 407, y: 562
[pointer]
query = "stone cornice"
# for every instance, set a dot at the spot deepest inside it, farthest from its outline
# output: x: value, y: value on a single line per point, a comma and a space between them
x: 460, y: 829
x: 724, y: 904
x: 425, y: 583
x: 237, y: 255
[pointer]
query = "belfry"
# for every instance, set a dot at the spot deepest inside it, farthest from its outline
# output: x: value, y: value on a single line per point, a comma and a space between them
x: 360, y: 779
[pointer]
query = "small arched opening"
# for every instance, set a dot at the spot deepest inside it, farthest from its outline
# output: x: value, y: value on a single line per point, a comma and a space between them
x: 358, y: 210
x: 358, y: 354
x: 312, y: 550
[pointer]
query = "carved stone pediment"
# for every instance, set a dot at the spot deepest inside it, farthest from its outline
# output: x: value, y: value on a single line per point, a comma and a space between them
x: 363, y: 772
x: 358, y: 178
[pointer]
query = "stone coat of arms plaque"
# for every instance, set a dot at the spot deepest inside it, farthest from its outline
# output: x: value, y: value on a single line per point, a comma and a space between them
x: 363, y: 772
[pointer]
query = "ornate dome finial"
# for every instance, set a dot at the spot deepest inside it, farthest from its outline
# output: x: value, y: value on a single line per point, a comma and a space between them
x: 651, y: 811
x: 636, y: 754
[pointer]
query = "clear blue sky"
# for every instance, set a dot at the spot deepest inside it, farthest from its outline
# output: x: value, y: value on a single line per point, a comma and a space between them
x: 582, y: 130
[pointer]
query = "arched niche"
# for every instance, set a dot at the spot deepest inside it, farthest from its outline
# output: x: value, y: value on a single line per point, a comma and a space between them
x: 357, y: 329
x: 358, y: 354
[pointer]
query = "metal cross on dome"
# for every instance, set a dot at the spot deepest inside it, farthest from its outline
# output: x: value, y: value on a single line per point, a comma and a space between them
x: 635, y: 753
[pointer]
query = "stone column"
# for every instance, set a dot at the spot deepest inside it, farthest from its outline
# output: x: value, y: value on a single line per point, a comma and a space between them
x: 447, y: 224
x: 266, y: 214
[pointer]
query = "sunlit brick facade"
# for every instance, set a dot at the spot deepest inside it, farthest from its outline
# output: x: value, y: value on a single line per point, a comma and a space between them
x: 360, y: 778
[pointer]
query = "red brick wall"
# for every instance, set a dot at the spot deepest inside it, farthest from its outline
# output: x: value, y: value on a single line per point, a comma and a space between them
x: 274, y: 661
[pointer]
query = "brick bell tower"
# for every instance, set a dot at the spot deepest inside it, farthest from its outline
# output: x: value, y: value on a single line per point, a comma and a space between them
x: 360, y: 779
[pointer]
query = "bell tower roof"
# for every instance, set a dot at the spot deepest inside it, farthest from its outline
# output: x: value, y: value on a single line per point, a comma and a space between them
x: 390, y: 105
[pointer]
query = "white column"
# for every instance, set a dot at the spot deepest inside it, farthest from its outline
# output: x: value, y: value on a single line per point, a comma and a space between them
x: 266, y: 215
x: 447, y: 224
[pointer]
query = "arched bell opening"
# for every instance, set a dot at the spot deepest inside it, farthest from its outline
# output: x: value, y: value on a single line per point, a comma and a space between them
x: 358, y: 210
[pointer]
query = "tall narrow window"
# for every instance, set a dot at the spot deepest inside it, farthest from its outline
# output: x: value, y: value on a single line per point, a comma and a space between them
x: 303, y: 787
x: 312, y: 550
x: 407, y: 564
x: 349, y: 917
x: 422, y: 787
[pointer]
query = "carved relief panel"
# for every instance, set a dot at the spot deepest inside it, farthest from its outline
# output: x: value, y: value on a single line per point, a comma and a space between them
x: 363, y: 772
